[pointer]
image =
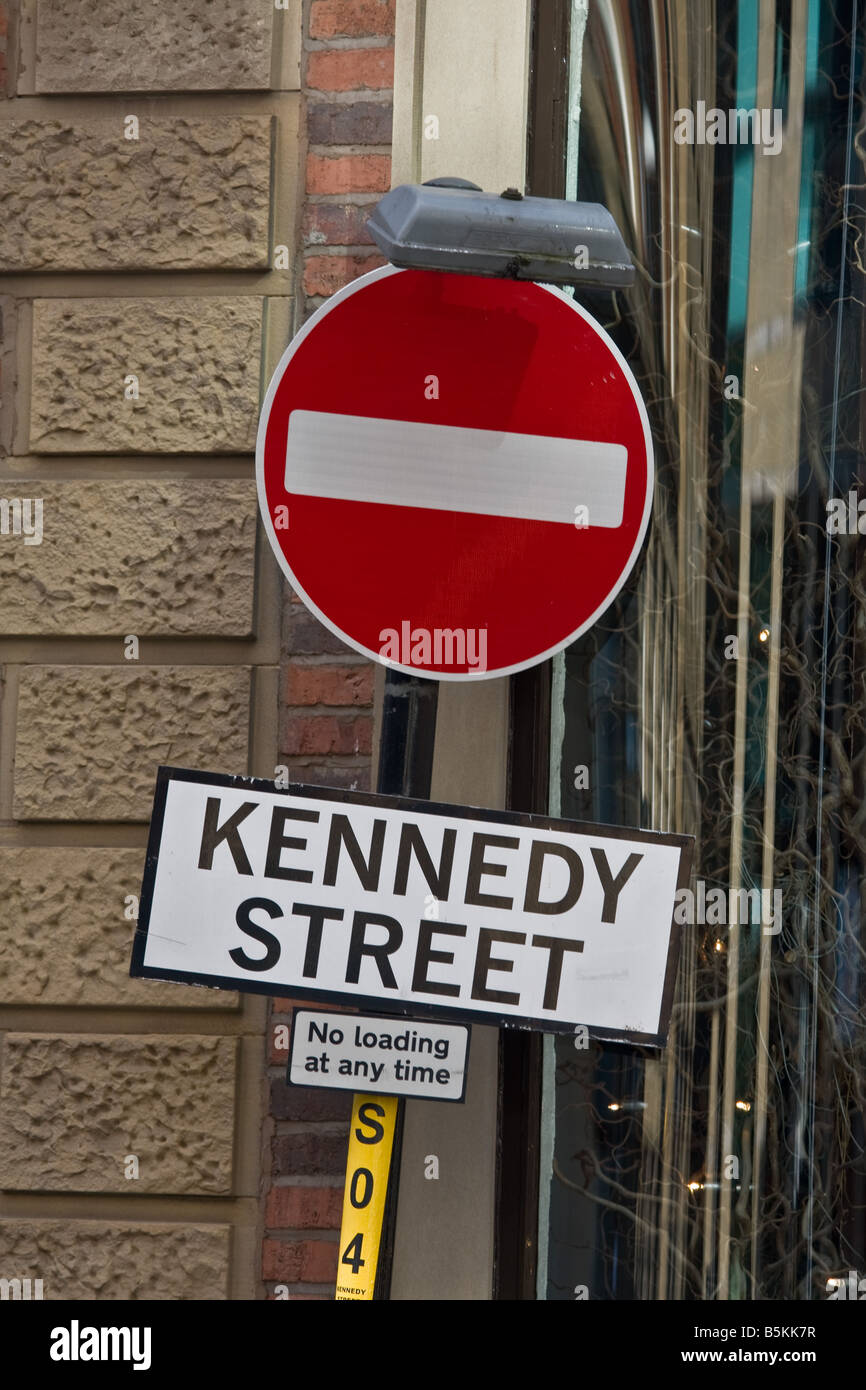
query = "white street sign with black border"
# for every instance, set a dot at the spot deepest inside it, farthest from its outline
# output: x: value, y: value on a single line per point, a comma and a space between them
x: 410, y: 907
x: 378, y: 1055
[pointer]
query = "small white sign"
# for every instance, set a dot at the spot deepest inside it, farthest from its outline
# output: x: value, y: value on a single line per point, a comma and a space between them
x: 409, y: 907
x: 392, y: 1057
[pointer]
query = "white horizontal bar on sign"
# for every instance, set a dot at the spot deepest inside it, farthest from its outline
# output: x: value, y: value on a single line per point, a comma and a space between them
x: 356, y: 458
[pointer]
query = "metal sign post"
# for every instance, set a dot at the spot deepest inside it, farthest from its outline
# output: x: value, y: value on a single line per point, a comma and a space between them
x: 371, y: 1143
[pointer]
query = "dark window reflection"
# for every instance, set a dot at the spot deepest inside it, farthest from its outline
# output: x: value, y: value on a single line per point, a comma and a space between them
x: 724, y: 694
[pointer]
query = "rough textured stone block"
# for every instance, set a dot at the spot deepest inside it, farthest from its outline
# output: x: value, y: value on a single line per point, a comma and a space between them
x: 73, y: 1108
x: 187, y: 194
x: 146, y: 556
x: 153, y: 45
x: 90, y: 738
x: 99, y: 1261
x: 65, y: 939
x: 195, y: 361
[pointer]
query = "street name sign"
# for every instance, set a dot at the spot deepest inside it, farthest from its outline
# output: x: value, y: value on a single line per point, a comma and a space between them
x: 362, y: 1052
x: 455, y: 473
x: 409, y: 907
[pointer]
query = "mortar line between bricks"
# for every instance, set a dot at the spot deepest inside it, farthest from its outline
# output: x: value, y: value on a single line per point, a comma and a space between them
x: 340, y: 248
x: 327, y: 147
x: 336, y: 660
x: 170, y: 652
x: 256, y: 283
x: 153, y: 105
x: 348, y: 43
x: 329, y: 711
x: 328, y: 1234
x: 104, y: 467
x: 309, y: 1180
x: 126, y: 1208
x: 355, y: 200
x: 339, y: 762
x: 341, y: 98
x: 73, y: 1020
x: 315, y: 1289
x: 357, y: 93
x: 348, y: 762
x: 319, y: 1129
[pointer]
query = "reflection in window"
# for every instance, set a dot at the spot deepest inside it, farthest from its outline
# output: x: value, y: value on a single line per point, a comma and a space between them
x: 724, y: 695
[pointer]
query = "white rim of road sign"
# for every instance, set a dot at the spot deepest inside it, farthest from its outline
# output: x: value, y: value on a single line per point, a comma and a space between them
x: 381, y: 273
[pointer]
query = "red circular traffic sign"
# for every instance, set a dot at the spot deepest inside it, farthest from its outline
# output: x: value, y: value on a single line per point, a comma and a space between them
x: 455, y: 473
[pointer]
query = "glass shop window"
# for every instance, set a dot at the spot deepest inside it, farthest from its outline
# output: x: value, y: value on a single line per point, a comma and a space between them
x: 724, y: 695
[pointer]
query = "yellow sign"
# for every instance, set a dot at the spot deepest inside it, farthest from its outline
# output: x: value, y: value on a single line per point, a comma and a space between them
x: 371, y: 1140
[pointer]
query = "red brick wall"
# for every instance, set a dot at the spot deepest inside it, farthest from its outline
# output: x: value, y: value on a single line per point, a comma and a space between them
x: 348, y: 85
x: 326, y: 689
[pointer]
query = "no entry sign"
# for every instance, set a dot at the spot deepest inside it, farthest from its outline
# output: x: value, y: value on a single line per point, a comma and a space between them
x: 410, y: 908
x: 455, y: 473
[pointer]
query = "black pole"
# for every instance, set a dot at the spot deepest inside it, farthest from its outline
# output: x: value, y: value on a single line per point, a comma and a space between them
x: 405, y: 769
x: 408, y: 732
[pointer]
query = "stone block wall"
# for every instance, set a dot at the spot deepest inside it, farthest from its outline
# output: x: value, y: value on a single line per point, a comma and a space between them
x: 151, y: 184
x: 181, y: 186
